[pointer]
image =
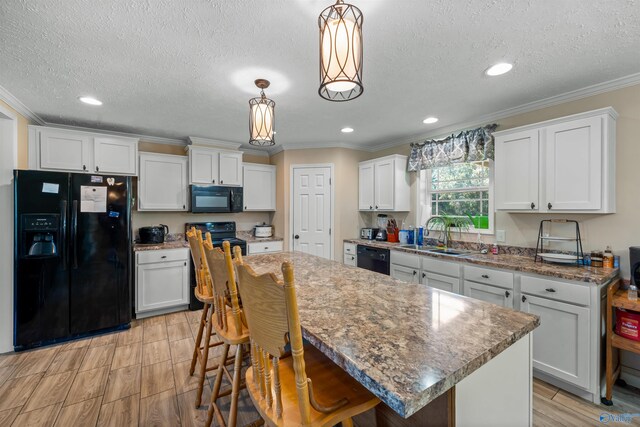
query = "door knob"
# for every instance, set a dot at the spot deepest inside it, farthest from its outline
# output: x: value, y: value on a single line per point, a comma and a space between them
x: 533, y: 205
x: 296, y: 236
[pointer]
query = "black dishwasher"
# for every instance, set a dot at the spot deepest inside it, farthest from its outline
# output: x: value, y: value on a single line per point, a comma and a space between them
x: 374, y: 259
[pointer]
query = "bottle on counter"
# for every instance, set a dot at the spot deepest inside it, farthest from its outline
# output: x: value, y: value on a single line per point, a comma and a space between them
x: 494, y: 249
x: 420, y: 238
x: 410, y: 235
x: 607, y: 258
x: 596, y: 258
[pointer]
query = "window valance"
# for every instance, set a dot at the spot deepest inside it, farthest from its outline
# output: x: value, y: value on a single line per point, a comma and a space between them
x: 467, y: 146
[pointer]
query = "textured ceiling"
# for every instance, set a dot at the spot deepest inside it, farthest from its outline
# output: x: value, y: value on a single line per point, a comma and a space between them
x: 174, y: 69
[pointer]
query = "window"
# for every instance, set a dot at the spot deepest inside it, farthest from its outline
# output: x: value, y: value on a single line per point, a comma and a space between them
x: 459, y: 190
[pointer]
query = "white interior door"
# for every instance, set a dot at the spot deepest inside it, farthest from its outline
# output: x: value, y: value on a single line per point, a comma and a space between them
x: 312, y: 210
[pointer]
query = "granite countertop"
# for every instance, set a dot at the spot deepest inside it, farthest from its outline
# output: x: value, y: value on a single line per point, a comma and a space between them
x: 250, y: 238
x: 176, y: 244
x: 405, y: 342
x: 525, y: 264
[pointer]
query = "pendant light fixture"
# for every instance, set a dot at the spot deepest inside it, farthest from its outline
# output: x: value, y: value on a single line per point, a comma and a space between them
x: 261, y: 117
x: 340, y: 52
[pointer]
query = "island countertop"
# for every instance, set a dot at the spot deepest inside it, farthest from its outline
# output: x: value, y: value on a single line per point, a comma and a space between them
x: 406, y: 343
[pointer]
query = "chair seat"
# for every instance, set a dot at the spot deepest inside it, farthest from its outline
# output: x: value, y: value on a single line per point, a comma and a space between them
x: 330, y: 383
x: 231, y: 335
x: 202, y: 297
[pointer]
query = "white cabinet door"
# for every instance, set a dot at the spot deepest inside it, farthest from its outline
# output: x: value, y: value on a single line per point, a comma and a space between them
x: 488, y: 293
x: 204, y: 166
x: 69, y: 151
x: 406, y: 274
x: 115, y: 155
x: 162, y: 185
x: 259, y: 187
x: 230, y: 168
x: 517, y: 170
x: 438, y: 281
x: 350, y: 260
x: 573, y: 169
x: 561, y: 342
x: 366, y: 200
x: 162, y: 285
x: 384, y: 184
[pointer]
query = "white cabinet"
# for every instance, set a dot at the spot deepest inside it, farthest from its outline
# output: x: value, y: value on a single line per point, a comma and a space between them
x: 162, y: 185
x: 215, y: 167
x: 115, y: 155
x: 488, y: 293
x: 162, y: 281
x: 79, y: 151
x: 259, y: 187
x: 561, y: 165
x: 561, y: 342
x: 438, y: 281
x: 264, y: 247
x: 384, y: 184
x: 516, y: 169
x: 350, y: 254
x: 405, y: 267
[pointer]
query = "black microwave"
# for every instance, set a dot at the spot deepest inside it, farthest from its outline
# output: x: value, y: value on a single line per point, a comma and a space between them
x: 215, y: 199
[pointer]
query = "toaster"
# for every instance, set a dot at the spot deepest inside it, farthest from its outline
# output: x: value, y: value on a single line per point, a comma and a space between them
x: 368, y: 233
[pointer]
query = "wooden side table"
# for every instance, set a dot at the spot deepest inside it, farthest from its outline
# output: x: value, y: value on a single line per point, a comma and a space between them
x: 617, y: 298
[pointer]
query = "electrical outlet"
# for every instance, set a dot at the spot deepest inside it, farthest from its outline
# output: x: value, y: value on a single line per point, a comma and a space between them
x: 501, y: 236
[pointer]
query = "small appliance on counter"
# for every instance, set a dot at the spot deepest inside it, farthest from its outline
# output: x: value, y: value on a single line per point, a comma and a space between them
x: 153, y: 234
x: 368, y: 233
x: 263, y: 230
x: 382, y: 228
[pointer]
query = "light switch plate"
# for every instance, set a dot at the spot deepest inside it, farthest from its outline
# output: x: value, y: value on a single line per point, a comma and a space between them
x: 501, y: 236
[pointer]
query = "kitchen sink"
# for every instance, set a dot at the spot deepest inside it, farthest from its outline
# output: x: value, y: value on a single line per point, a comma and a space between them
x: 419, y: 247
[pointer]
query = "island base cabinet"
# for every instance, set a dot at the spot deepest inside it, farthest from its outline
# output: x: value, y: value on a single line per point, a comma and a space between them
x: 438, y: 281
x: 488, y: 293
x: 404, y: 273
x: 162, y: 286
x: 561, y: 342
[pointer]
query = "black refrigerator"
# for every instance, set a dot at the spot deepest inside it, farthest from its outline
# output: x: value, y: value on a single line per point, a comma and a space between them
x: 72, y: 255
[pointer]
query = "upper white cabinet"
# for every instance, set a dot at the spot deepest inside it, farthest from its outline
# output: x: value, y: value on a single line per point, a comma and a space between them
x: 162, y: 185
x: 214, y: 166
x: 78, y: 151
x: 561, y: 165
x: 384, y: 184
x: 259, y: 187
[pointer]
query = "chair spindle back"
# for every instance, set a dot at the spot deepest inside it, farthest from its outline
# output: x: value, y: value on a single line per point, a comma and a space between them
x: 203, y: 284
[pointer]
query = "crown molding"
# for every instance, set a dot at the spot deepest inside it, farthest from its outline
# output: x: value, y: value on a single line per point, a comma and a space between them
x: 141, y: 137
x: 320, y: 145
x: 213, y: 143
x: 255, y: 152
x: 574, y: 95
x: 15, y: 103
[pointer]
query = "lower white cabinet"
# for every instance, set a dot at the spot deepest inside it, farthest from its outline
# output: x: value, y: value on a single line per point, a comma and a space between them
x: 350, y: 254
x: 488, y: 293
x: 350, y: 260
x: 264, y: 247
x: 438, y: 281
x: 406, y: 274
x: 561, y: 342
x: 162, y: 280
x: 163, y: 183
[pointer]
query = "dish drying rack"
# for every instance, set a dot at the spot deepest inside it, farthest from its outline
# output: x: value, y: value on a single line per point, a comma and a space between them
x: 542, y: 238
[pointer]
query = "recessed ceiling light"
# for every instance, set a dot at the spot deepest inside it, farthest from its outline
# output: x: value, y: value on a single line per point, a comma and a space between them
x: 498, y: 69
x: 430, y: 120
x: 90, y: 100
x: 346, y: 130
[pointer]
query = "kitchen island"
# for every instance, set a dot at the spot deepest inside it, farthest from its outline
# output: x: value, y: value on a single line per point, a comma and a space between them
x: 427, y: 354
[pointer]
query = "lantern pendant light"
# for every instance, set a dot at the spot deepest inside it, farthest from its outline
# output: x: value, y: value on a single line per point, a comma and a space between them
x: 340, y: 52
x: 261, y: 117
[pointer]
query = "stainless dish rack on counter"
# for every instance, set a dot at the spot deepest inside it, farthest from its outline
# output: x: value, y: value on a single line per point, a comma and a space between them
x: 543, y: 253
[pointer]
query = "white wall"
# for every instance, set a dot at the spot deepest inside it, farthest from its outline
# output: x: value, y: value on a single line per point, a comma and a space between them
x: 8, y: 161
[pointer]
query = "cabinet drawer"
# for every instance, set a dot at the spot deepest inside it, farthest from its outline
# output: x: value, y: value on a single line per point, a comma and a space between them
x: 488, y: 276
x: 162, y: 255
x: 350, y: 260
x: 403, y: 258
x: 559, y: 291
x: 441, y: 267
x: 266, y: 247
x: 350, y: 248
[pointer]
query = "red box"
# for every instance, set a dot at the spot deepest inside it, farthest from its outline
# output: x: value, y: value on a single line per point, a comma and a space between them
x: 628, y: 324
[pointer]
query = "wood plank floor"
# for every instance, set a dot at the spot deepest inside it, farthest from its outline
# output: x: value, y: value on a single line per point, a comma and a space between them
x: 140, y: 377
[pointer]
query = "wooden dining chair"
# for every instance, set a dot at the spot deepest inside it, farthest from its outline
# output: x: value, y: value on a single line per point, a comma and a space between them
x: 203, y: 293
x: 229, y: 327
x: 280, y: 384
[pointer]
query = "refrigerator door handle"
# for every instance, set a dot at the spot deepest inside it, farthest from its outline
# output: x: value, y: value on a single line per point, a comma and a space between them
x: 74, y: 233
x: 63, y: 230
